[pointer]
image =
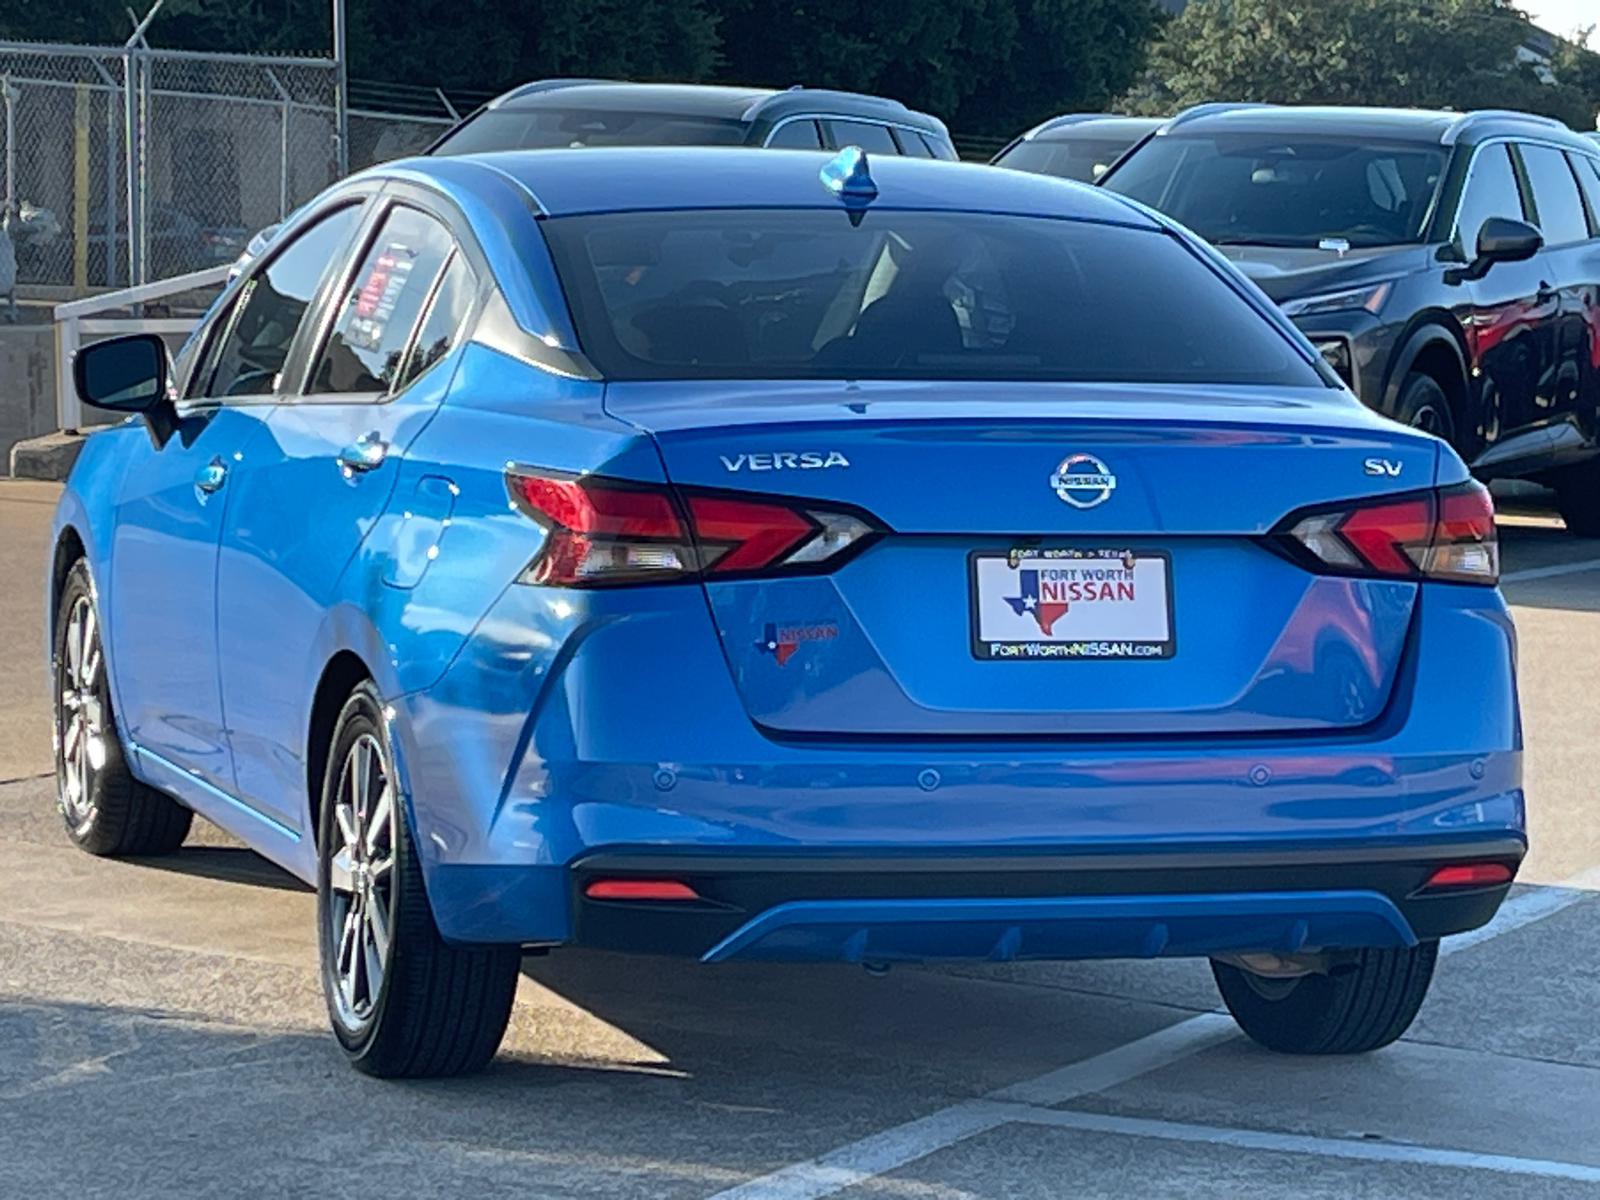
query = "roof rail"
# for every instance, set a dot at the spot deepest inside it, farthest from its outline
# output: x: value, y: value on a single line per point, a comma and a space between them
x: 1211, y: 108
x: 1467, y: 120
x: 800, y: 98
x: 541, y: 85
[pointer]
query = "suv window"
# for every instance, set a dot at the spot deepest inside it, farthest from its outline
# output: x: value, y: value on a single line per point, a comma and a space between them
x: 1556, y: 201
x: 249, y: 356
x: 381, y: 305
x: 874, y: 139
x: 796, y: 135
x: 807, y: 294
x: 447, y: 312
x: 911, y: 144
x: 1588, y: 172
x: 548, y: 128
x: 1257, y: 189
x: 1491, y: 191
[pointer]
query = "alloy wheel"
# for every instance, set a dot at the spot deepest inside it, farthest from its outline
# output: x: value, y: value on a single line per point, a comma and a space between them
x: 361, y: 881
x: 81, y: 711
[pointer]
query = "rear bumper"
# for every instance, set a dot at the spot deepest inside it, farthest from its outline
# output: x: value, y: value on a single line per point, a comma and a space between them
x: 1004, y: 907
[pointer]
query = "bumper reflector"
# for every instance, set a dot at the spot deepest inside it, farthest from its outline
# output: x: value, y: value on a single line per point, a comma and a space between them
x: 1469, y: 875
x: 640, y: 889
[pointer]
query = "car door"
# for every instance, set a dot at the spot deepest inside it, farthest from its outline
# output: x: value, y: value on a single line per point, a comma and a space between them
x: 170, y: 510
x: 1507, y: 316
x: 1558, y: 211
x: 305, y: 503
x: 1587, y: 168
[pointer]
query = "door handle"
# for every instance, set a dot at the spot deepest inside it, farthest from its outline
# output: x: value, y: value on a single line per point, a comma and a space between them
x: 363, y: 454
x: 211, y: 476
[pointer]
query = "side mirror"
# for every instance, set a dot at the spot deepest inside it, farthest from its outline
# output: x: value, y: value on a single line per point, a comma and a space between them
x: 124, y: 374
x: 1500, y: 240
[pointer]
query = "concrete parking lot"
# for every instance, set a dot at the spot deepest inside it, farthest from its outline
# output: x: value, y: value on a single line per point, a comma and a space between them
x: 162, y: 1032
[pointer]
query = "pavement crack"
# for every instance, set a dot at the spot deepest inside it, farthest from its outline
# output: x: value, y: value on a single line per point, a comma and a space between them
x: 1507, y: 1055
x: 27, y: 778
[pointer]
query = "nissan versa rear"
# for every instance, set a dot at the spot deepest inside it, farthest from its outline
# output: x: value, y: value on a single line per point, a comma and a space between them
x: 787, y: 559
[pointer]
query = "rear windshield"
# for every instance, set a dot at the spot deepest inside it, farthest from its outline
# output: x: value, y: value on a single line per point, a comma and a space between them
x: 553, y: 128
x: 806, y: 294
x: 1084, y: 159
x: 1269, y: 190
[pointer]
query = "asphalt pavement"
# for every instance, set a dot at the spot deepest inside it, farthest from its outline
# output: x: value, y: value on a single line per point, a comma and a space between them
x: 162, y: 1032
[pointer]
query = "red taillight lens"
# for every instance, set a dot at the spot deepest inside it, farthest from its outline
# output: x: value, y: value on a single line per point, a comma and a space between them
x: 1483, y: 874
x: 640, y: 889
x: 1446, y: 534
x: 606, y: 531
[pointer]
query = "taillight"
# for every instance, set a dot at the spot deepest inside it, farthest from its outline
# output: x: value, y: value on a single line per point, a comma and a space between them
x: 1446, y: 534
x: 606, y: 531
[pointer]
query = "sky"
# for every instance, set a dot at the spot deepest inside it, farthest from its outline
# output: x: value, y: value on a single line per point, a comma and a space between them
x: 1563, y: 16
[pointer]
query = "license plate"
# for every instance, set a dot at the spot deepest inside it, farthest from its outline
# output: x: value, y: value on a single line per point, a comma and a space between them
x: 1043, y: 604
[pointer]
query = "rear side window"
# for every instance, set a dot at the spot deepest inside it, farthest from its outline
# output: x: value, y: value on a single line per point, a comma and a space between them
x: 381, y: 305
x: 874, y: 139
x: 745, y: 294
x: 796, y: 135
x: 1491, y: 191
x: 912, y: 145
x: 447, y: 312
x: 249, y: 357
x: 1588, y: 172
x: 1084, y: 158
x: 1558, y: 205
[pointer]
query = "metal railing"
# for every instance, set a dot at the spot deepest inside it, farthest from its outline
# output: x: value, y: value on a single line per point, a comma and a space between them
x: 77, y: 319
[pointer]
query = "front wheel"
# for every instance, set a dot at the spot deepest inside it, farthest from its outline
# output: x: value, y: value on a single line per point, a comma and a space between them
x: 1423, y: 405
x: 403, y: 1002
x: 1356, y: 1007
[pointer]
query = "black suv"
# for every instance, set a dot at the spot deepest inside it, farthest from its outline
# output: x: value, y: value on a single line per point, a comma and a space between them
x: 590, y: 112
x: 1446, y: 265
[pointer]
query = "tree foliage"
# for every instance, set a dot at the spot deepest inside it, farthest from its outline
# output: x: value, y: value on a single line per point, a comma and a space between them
x: 1411, y: 53
x: 987, y: 66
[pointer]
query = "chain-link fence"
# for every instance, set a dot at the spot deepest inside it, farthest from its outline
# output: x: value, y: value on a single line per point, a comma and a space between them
x: 127, y: 164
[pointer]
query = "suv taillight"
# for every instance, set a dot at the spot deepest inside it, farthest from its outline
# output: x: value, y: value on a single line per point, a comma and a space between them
x: 1445, y: 533
x: 604, y: 532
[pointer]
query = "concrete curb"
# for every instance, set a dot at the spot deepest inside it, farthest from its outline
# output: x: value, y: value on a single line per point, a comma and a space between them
x: 49, y: 457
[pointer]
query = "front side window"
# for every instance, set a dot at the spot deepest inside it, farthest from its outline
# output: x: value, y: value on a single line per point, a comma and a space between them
x: 806, y: 294
x: 1555, y: 195
x: 1276, y: 190
x: 1491, y: 191
x: 270, y: 307
x: 382, y: 303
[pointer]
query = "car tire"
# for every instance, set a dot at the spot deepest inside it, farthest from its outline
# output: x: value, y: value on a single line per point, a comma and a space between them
x: 1578, y: 499
x: 403, y: 1002
x: 1423, y: 405
x: 1356, y: 1007
x: 106, y: 810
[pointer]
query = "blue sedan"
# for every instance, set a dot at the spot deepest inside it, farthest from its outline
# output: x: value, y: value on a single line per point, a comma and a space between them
x: 784, y: 558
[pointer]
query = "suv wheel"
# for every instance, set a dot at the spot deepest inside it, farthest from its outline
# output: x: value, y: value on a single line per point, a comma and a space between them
x: 1356, y: 1007
x: 1578, y: 498
x: 403, y: 1002
x: 107, y: 811
x: 1423, y: 405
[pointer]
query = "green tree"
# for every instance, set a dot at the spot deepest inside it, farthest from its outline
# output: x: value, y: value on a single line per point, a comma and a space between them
x: 1433, y: 53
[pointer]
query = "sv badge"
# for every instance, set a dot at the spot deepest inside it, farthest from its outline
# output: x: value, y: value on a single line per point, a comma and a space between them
x: 1382, y: 466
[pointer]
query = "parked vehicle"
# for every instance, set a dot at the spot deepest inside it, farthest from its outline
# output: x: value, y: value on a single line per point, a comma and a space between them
x: 1081, y: 146
x: 784, y: 557
x: 1446, y: 265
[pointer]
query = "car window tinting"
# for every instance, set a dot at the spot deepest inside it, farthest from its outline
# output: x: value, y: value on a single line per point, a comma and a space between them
x: 796, y: 135
x: 549, y: 128
x: 381, y: 306
x: 1491, y: 191
x: 1555, y: 195
x: 1272, y: 190
x: 1084, y: 158
x: 874, y: 139
x: 1588, y: 172
x: 806, y: 294
x: 912, y: 145
x: 271, y: 305
x: 447, y: 312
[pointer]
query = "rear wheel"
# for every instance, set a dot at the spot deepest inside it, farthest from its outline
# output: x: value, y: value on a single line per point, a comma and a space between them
x: 1423, y: 405
x: 1578, y: 498
x: 106, y: 810
x: 403, y: 1002
x: 1356, y: 1007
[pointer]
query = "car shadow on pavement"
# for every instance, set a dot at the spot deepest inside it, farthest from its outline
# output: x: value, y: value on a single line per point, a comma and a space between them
x: 227, y: 864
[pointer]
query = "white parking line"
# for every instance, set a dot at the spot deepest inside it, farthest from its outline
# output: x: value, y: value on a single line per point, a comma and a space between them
x: 1572, y: 568
x: 1291, y: 1143
x: 894, y: 1148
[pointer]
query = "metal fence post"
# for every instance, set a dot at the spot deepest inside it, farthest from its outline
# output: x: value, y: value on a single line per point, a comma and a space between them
x: 132, y: 142
x: 283, y: 145
x: 341, y: 89
x: 9, y: 94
